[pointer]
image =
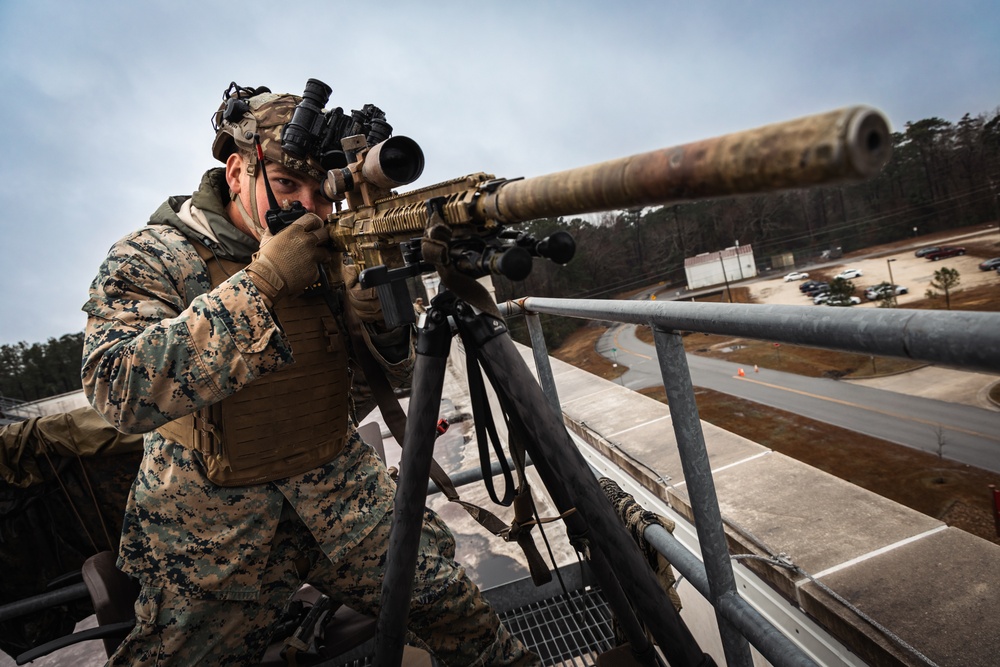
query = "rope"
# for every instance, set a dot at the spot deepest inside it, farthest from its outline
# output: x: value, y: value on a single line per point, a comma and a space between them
x: 97, y: 507
x: 69, y: 499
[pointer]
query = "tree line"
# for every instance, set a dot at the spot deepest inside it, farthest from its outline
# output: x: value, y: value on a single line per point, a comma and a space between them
x: 39, y: 370
x: 942, y: 175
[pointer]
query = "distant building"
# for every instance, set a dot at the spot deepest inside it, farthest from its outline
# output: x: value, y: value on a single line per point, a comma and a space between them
x: 11, y: 410
x: 783, y: 261
x: 715, y: 268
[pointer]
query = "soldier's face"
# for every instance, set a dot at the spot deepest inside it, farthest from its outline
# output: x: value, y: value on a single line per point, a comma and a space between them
x: 288, y: 186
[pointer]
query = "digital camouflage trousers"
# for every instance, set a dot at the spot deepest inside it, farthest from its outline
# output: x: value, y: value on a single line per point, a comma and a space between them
x: 447, y: 613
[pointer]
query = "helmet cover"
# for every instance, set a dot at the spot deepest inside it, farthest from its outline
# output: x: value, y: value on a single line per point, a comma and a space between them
x: 264, y: 114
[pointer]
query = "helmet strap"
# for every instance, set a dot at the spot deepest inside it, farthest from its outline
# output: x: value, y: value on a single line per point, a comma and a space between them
x: 251, y: 218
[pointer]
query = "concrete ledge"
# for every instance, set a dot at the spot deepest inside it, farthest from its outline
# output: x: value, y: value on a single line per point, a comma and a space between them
x: 820, y: 521
x: 938, y: 594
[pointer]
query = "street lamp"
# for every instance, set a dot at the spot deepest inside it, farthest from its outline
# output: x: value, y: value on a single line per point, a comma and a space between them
x: 729, y: 293
x: 892, y: 283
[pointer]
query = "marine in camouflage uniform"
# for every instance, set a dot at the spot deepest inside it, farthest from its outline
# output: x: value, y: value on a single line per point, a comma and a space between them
x: 218, y: 564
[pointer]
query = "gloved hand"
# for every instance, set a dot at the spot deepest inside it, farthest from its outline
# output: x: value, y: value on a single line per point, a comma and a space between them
x: 364, y: 301
x: 287, y: 263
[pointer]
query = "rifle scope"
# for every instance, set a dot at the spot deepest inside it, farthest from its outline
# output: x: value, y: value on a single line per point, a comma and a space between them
x: 394, y: 162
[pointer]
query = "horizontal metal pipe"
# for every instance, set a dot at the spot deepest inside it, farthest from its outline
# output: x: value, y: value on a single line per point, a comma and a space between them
x: 778, y: 649
x: 471, y: 475
x: 44, y: 601
x: 963, y: 339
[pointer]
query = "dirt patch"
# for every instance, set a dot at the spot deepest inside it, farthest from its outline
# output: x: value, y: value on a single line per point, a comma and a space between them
x: 579, y: 349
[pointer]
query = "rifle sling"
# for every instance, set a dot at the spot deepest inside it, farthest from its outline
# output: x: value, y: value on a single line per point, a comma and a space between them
x: 483, y: 419
x: 524, y: 521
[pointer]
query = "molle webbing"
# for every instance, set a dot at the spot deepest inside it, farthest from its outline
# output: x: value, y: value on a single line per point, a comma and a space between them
x: 287, y: 422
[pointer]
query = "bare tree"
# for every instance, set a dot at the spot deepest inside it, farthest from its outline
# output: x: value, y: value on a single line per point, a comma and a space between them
x: 945, y: 280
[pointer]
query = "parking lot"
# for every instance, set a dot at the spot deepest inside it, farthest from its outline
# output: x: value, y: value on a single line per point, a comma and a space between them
x: 914, y: 273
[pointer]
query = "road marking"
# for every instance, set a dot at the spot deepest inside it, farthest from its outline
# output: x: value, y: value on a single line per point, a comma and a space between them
x: 869, y: 409
x: 926, y: 422
x: 625, y: 349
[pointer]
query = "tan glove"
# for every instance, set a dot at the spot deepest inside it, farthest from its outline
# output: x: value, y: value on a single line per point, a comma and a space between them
x: 287, y: 263
x: 364, y: 301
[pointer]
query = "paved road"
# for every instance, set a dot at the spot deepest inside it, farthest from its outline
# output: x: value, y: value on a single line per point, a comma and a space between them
x: 970, y: 435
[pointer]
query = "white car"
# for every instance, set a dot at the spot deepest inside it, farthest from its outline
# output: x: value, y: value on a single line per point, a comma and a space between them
x: 850, y: 301
x: 847, y: 274
x: 796, y: 275
x: 884, y: 289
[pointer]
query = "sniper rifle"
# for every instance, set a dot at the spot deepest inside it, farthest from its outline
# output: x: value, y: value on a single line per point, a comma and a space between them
x: 382, y: 230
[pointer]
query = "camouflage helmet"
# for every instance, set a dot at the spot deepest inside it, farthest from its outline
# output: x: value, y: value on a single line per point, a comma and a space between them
x: 246, y: 112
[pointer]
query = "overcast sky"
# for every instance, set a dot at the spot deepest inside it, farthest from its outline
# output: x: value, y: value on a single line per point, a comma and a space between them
x: 107, y: 103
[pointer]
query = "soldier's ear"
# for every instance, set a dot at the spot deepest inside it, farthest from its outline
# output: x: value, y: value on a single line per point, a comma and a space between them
x: 234, y: 170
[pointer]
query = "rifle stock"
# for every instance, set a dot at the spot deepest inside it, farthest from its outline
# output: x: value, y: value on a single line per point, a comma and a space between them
x: 845, y: 145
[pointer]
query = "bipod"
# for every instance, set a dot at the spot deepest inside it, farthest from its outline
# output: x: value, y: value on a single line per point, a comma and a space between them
x: 593, y: 525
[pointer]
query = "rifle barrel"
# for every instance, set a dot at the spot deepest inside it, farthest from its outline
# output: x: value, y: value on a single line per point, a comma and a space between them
x: 844, y: 145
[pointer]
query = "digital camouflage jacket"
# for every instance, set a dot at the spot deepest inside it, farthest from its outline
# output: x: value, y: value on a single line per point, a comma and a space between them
x: 160, y: 344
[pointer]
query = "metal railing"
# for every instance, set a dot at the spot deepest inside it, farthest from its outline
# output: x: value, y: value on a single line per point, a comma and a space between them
x: 960, y: 339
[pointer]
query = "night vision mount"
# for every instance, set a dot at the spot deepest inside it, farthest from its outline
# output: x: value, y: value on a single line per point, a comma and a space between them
x: 318, y: 133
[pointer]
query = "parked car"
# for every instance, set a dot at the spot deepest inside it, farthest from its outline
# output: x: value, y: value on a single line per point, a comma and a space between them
x: 945, y: 251
x: 987, y: 265
x: 821, y: 298
x: 841, y: 301
x: 809, y: 285
x: 847, y: 274
x: 796, y: 275
x: 923, y: 252
x: 879, y: 291
x: 820, y: 288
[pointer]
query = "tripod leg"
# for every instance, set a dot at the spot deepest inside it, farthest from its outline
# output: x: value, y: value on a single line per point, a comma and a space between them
x: 433, y: 343
x: 570, y: 482
x: 642, y: 649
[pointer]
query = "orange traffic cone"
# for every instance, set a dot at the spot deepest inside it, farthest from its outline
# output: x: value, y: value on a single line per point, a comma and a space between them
x: 741, y: 373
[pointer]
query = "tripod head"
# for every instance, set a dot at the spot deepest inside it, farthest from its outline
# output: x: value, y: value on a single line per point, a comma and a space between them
x: 507, y: 252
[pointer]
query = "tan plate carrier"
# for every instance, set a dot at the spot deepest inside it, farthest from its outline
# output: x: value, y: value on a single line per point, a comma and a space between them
x: 287, y: 422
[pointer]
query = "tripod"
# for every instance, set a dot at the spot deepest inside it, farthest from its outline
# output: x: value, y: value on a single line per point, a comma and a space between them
x: 563, y: 471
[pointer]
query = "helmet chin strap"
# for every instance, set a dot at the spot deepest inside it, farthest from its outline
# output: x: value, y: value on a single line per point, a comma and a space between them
x: 251, y: 218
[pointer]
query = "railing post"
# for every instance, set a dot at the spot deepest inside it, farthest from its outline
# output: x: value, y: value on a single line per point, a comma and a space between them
x: 545, y: 377
x: 701, y: 488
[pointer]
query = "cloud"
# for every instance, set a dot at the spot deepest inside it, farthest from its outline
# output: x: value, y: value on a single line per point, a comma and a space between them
x: 108, y: 103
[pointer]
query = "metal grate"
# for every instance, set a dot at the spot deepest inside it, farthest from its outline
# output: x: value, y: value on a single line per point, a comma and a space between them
x: 564, y: 630
x: 560, y: 630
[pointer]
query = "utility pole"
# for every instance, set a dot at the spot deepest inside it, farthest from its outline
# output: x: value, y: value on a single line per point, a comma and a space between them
x: 892, y: 285
x: 729, y: 294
